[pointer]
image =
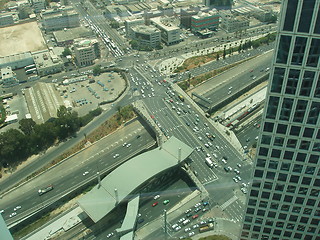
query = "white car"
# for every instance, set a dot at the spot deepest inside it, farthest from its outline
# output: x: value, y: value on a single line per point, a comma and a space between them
x: 116, y: 155
x: 238, y: 165
x: 181, y: 220
x: 125, y: 144
x: 177, y: 228
x: 236, y: 171
x: 174, y: 226
x: 187, y: 229
x: 238, y: 177
x: 85, y: 173
x: 156, y: 197
x: 234, y: 179
x: 197, y: 205
x: 13, y: 214
x: 1, y: 211
x: 110, y: 235
x: 16, y: 208
x: 191, y: 234
x: 187, y: 211
x: 128, y: 145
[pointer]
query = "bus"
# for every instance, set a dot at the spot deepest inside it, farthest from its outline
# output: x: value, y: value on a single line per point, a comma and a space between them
x: 29, y: 67
x: 32, y: 70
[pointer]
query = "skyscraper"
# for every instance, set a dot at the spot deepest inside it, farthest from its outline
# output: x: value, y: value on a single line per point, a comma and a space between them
x: 283, y: 201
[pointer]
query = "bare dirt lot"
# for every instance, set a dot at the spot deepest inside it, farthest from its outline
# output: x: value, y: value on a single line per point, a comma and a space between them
x: 21, y: 38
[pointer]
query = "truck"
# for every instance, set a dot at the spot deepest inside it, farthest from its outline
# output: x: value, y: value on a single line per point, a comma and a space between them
x: 209, y: 162
x: 206, y: 228
x: 45, y: 190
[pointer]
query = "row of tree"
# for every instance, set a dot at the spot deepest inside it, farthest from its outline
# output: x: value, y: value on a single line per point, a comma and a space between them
x: 18, y: 144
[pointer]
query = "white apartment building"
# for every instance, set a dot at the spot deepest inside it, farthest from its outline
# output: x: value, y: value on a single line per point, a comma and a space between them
x: 86, y: 51
x: 170, y: 34
x: 146, y: 35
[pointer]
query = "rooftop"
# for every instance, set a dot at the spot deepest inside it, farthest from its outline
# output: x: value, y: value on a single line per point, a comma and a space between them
x: 126, y: 178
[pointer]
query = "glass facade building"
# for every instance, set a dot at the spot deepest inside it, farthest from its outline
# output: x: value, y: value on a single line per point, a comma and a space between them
x: 283, y: 201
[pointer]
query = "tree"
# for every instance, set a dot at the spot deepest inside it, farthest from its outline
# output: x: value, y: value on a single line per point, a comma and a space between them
x: 96, y: 70
x: 114, y: 24
x: 66, y: 52
x: 13, y: 146
x: 27, y: 126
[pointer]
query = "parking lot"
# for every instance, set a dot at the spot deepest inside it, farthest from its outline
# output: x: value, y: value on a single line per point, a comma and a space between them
x: 86, y: 95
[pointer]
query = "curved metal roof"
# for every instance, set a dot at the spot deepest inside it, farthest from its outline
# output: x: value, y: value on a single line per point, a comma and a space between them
x: 127, y: 177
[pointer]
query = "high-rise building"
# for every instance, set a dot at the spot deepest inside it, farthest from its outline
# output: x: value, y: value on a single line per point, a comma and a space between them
x: 283, y: 201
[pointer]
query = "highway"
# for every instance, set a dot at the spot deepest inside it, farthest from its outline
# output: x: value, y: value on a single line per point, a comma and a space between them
x: 74, y: 172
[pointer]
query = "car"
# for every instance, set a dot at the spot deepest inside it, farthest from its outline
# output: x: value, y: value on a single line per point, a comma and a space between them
x: 195, y: 226
x: 206, y: 145
x: 175, y: 225
x: 200, y: 138
x: 128, y: 145
x: 235, y: 179
x: 1, y: 211
x: 110, y: 235
x: 85, y: 173
x: 13, y: 214
x: 155, y: 204
x: 236, y: 171
x: 177, y: 228
x: 197, y: 205
x: 217, y: 147
x: 189, y: 214
x: 17, y: 208
x: 238, y: 177
x: 238, y: 165
x: 140, y: 220
x: 188, y: 211
x: 224, y: 161
x: 205, y: 203
x: 197, y: 209
x: 244, y: 184
x: 256, y: 138
x: 244, y: 190
x: 187, y: 229
x: 191, y: 234
x: 210, y: 220
x: 125, y: 144
x: 195, y: 216
x: 116, y: 155
x: 203, y: 222
x: 165, y: 202
x: 215, y: 155
x: 248, y: 140
x: 156, y: 197
x: 181, y: 220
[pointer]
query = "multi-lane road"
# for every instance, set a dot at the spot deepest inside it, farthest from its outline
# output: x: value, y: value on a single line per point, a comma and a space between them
x: 100, y: 157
